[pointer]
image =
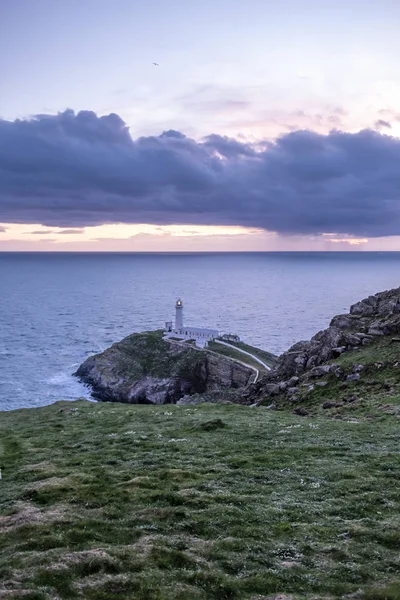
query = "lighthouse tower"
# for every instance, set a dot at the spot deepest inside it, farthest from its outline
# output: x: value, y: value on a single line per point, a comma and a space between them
x: 178, y: 314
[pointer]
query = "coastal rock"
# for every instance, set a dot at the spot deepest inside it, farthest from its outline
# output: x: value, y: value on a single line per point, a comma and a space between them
x: 372, y: 318
x: 320, y: 371
x: 293, y: 390
x: 353, y: 377
x: 145, y: 369
x: 272, y: 389
x: 338, y: 351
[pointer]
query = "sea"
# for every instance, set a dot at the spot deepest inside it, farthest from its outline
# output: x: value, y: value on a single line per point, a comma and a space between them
x: 56, y: 309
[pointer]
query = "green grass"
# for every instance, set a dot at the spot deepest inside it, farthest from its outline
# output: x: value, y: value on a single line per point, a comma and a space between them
x: 107, y: 501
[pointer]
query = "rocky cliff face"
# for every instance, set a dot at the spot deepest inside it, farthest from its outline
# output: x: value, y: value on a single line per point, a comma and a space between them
x: 143, y: 368
x: 374, y: 316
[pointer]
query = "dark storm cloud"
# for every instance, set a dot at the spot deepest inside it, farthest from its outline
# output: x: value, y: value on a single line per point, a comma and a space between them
x: 75, y: 170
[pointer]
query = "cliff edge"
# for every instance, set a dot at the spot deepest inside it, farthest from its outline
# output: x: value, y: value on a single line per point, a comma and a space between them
x: 144, y: 368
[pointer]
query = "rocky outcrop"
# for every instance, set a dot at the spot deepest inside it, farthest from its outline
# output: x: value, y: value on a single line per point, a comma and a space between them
x: 376, y: 315
x: 367, y: 320
x: 145, y: 369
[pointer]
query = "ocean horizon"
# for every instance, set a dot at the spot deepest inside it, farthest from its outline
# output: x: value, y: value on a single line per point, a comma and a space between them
x: 58, y: 308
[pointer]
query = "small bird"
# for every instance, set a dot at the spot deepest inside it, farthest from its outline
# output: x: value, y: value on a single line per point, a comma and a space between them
x: 156, y: 64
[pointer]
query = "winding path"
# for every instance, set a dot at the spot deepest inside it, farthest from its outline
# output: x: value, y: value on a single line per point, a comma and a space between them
x: 256, y: 371
x: 248, y: 354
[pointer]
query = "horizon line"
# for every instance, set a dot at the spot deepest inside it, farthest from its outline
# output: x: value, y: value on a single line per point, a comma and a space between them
x: 199, y: 251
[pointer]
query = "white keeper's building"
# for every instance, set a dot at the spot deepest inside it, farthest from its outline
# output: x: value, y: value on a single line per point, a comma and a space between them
x: 200, y: 335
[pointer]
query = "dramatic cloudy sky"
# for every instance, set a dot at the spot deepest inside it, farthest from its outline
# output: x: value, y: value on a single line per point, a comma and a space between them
x: 265, y: 125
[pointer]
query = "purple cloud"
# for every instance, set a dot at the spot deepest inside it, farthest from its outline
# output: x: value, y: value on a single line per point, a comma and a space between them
x: 75, y: 170
x: 39, y: 232
x: 381, y: 123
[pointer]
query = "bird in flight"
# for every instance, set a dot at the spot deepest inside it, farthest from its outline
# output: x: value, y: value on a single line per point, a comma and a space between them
x: 155, y: 64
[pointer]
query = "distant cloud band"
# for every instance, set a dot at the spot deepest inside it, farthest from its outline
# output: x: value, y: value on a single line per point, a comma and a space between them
x: 75, y: 170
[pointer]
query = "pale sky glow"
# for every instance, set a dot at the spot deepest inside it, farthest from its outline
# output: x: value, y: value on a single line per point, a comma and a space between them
x: 251, y: 70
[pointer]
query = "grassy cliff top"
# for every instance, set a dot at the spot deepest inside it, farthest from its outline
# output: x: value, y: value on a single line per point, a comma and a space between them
x: 107, y: 501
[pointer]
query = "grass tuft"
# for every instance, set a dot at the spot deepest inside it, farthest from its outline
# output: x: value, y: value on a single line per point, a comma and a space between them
x: 211, y: 425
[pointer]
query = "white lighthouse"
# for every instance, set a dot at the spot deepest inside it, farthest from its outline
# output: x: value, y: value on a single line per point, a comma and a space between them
x: 199, y: 335
x: 178, y: 314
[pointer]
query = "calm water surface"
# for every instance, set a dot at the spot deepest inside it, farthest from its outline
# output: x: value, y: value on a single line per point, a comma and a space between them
x: 57, y: 309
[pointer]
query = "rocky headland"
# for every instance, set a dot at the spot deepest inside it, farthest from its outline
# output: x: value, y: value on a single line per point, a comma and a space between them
x: 144, y: 368
x: 354, y: 347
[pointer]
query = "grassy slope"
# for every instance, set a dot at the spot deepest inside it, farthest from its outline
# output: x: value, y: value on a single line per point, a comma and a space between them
x: 148, y: 354
x: 376, y: 393
x: 236, y: 355
x: 115, y: 501
x: 263, y: 355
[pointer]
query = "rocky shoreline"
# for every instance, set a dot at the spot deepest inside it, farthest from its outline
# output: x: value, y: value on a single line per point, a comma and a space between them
x: 144, y: 368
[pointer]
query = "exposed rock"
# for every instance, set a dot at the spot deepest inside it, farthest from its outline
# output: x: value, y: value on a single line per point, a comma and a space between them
x: 375, y: 331
x: 321, y: 383
x: 376, y: 315
x: 372, y: 317
x: 338, y: 351
x: 302, y: 412
x: 342, y: 322
x: 272, y: 389
x: 330, y: 404
x: 319, y: 371
x: 293, y: 381
x: 336, y: 370
x: 362, y: 308
x: 353, y: 377
x: 292, y: 390
x: 145, y: 369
